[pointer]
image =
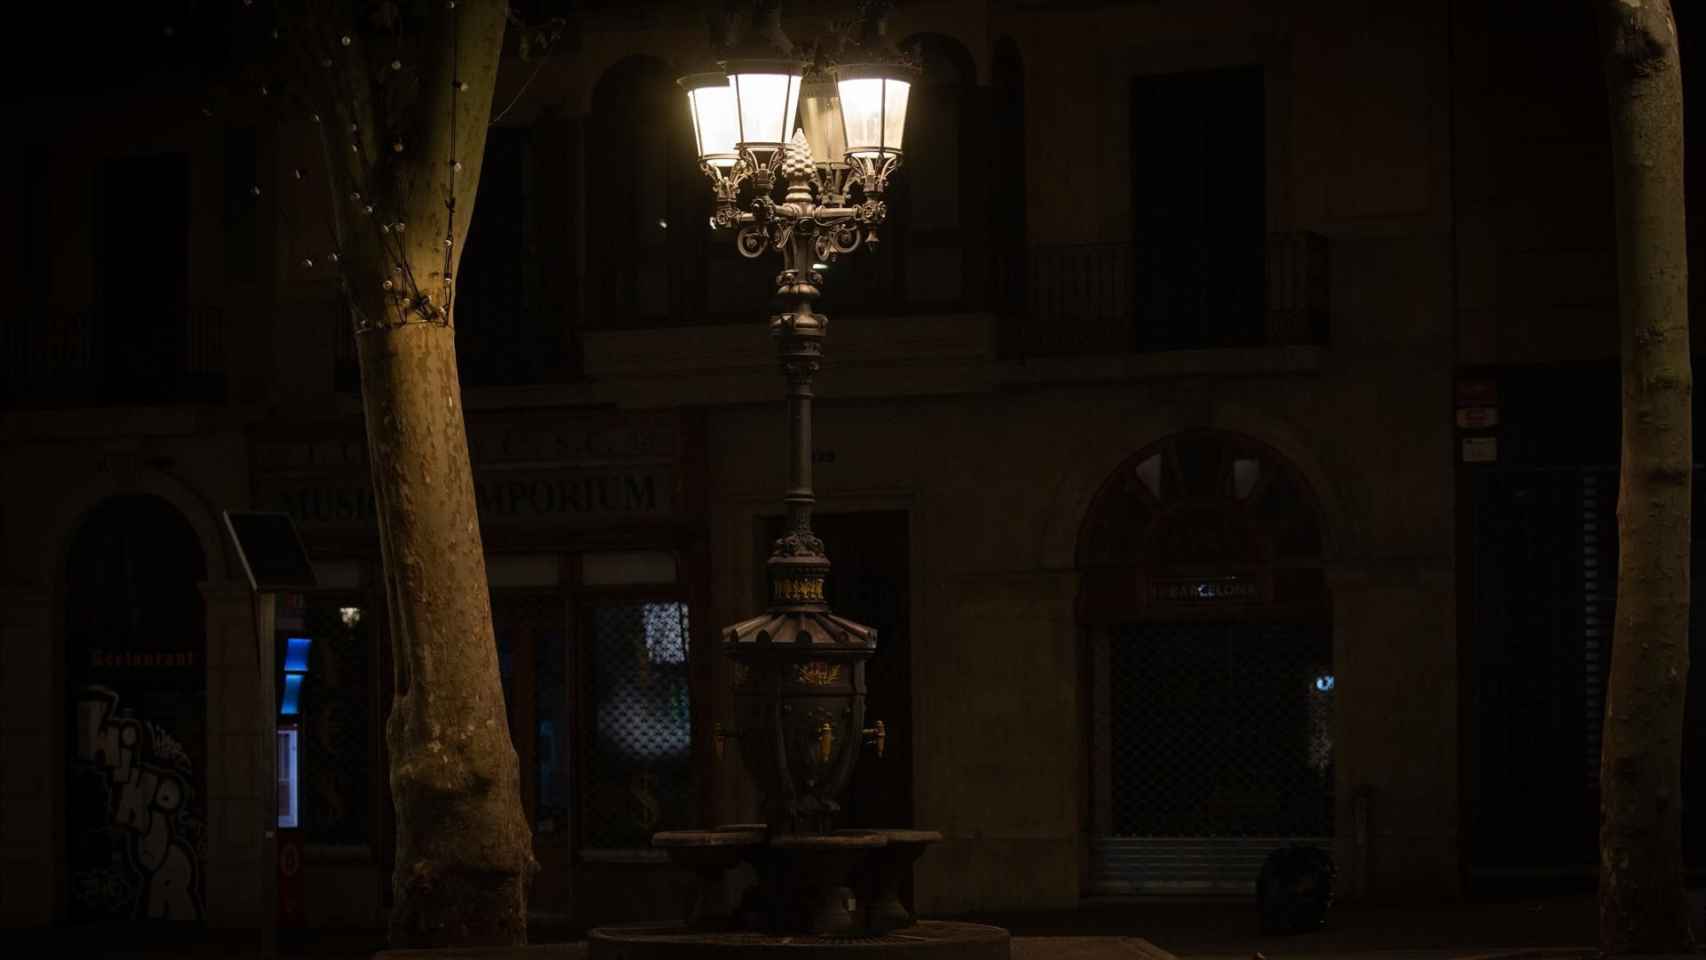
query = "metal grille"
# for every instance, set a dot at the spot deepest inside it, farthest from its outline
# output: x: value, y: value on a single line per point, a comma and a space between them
x: 1185, y: 865
x: 1599, y: 601
x: 1221, y: 730
x: 1543, y: 572
x: 640, y: 777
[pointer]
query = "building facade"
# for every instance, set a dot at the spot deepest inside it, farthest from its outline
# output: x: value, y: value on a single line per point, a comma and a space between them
x: 1223, y: 440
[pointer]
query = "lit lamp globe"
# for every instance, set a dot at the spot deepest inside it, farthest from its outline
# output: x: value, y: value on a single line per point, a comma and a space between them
x: 716, y: 123
x: 767, y: 97
x: 820, y: 118
x: 873, y: 98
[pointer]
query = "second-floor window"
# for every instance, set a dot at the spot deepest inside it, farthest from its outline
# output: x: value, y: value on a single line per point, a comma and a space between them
x: 504, y: 334
x: 647, y: 204
x: 1199, y: 198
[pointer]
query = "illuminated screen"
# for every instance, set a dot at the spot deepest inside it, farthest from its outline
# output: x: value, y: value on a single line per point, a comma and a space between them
x: 287, y: 795
x: 290, y: 704
x: 296, y: 654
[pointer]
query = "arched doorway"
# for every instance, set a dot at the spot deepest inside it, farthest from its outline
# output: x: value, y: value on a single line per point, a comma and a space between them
x: 1206, y: 614
x: 136, y: 697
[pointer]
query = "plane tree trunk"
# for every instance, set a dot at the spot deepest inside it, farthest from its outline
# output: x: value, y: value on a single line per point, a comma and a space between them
x: 401, y: 111
x: 1642, y: 906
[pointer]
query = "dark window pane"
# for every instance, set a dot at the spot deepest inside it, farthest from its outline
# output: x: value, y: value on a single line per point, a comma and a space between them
x: 1199, y: 183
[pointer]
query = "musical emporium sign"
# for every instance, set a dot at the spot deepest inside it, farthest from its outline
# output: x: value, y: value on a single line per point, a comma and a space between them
x: 565, y: 471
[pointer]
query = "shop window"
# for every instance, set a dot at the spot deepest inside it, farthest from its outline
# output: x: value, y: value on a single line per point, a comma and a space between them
x: 599, y: 714
x: 640, y: 730
x: 552, y: 770
x: 528, y: 624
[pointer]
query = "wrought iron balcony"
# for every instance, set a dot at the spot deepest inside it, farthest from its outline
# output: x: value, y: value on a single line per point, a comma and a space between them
x: 1125, y: 298
x: 132, y: 356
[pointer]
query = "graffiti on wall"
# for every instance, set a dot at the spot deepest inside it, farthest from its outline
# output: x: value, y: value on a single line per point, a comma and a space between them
x: 138, y: 833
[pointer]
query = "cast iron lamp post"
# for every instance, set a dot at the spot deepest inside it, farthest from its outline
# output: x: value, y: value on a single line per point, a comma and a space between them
x: 800, y: 690
x: 799, y: 670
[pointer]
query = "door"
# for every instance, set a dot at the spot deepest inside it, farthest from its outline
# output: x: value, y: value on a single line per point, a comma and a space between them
x: 1210, y: 667
x: 136, y: 646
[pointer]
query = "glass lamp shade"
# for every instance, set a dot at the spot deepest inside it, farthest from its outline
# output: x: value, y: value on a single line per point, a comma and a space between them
x: 767, y: 95
x: 820, y: 117
x: 873, y: 107
x: 716, y: 122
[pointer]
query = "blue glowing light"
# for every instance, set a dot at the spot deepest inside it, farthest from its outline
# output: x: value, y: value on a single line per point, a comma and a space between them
x: 1324, y: 682
x: 291, y: 703
x: 296, y: 654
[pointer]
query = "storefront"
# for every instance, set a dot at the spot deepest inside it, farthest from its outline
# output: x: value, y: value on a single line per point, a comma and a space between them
x: 595, y: 549
x: 1209, y: 662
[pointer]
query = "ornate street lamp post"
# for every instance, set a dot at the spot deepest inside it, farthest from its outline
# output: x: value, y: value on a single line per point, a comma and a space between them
x: 799, y: 670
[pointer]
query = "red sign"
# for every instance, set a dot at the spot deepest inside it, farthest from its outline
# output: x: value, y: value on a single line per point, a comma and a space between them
x: 1477, y: 393
x: 1477, y: 418
x: 291, y: 910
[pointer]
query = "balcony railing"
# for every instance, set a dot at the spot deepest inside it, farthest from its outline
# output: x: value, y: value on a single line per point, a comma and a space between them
x: 58, y: 358
x: 1097, y: 297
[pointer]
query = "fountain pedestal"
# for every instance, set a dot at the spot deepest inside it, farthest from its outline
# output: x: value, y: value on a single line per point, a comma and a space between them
x: 842, y: 884
x: 834, y: 896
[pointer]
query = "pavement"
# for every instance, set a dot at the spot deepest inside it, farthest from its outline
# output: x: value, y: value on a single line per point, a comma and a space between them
x: 1135, y: 929
x: 1212, y: 929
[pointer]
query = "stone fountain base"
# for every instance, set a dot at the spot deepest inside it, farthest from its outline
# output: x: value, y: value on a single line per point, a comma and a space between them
x: 835, y: 896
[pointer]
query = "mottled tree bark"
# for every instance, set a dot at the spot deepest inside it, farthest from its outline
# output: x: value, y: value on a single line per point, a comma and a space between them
x: 1642, y: 906
x: 403, y: 109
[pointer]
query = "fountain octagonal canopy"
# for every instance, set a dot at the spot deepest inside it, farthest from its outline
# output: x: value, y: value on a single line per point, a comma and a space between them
x: 817, y: 632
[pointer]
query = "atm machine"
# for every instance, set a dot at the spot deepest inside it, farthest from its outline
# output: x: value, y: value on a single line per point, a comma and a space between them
x: 293, y: 673
x: 277, y: 567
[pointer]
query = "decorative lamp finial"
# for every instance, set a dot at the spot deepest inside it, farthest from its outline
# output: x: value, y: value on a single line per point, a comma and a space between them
x: 797, y: 158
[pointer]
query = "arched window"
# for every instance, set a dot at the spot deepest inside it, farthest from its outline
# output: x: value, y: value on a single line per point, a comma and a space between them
x: 1211, y: 666
x: 937, y: 200
x: 136, y: 703
x: 1004, y: 196
x: 647, y: 204
x: 927, y: 260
